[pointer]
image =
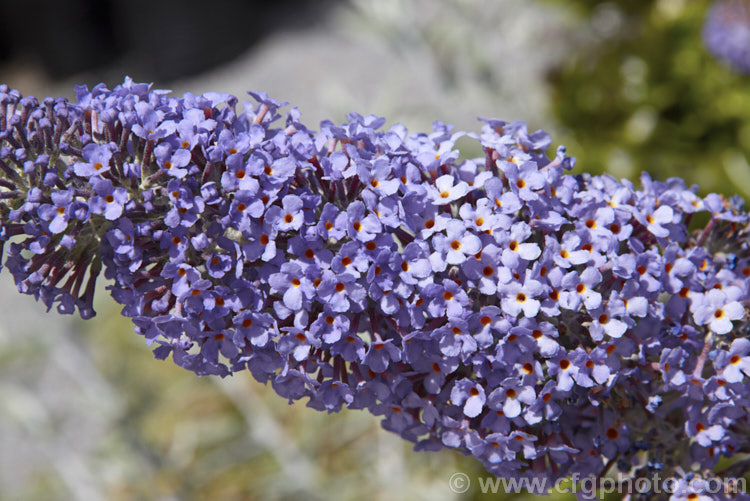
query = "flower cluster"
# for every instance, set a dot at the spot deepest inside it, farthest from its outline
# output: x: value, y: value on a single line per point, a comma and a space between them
x: 726, y: 33
x: 541, y: 322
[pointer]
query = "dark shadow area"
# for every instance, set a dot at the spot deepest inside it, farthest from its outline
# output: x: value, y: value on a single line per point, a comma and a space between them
x: 163, y: 39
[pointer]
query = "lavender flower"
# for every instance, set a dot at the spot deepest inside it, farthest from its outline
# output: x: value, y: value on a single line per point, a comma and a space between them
x: 543, y: 323
x: 726, y: 33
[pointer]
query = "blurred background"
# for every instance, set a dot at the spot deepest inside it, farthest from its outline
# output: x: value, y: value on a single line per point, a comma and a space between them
x: 85, y: 411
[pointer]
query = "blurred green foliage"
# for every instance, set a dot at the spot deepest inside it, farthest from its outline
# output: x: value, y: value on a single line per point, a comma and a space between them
x: 643, y: 94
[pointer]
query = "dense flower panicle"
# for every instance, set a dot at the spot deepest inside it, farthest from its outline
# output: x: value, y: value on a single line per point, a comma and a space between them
x: 726, y: 33
x: 544, y: 323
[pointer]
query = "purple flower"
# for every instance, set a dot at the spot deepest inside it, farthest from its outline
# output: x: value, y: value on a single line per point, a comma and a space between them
x: 292, y: 284
x: 378, y: 177
x: 700, y: 428
x: 173, y: 162
x: 414, y: 264
x: 510, y: 396
x: 717, y: 310
x: 109, y: 200
x: 342, y: 292
x: 519, y: 297
x: 291, y: 215
x: 149, y: 123
x: 469, y: 394
x: 263, y: 239
x: 360, y: 226
x: 455, y: 339
x: 566, y: 371
x: 381, y: 354
x: 58, y: 213
x: 735, y: 364
x: 447, y: 190
x: 656, y: 219
x: 332, y: 224
x: 516, y: 247
x: 310, y: 251
x: 604, y: 323
x: 97, y: 158
x: 486, y: 272
x: 525, y: 179
x: 448, y: 298
x: 582, y: 289
x: 726, y: 33
x: 457, y: 244
x: 568, y: 253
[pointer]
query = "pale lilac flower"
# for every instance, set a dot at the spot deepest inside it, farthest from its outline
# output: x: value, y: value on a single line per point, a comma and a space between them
x: 446, y: 190
x: 469, y: 394
x: 717, y: 310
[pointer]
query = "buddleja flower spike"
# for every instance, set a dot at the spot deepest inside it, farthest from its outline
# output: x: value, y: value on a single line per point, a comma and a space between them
x: 544, y: 323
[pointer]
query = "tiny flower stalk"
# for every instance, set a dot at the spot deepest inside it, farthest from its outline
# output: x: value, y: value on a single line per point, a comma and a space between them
x: 546, y: 324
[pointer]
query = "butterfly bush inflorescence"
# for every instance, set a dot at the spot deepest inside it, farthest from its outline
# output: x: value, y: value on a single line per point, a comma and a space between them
x: 726, y: 33
x: 544, y: 323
